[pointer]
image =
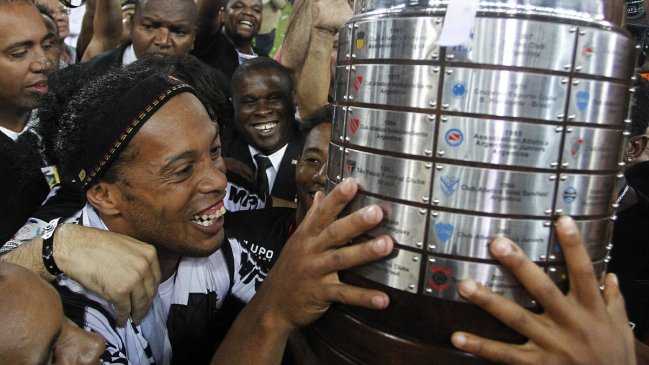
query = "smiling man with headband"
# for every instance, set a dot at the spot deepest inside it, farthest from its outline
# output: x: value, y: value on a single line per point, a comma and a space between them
x: 148, y: 156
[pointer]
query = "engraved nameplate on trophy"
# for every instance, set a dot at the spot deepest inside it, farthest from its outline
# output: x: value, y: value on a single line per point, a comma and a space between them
x: 492, y: 191
x: 344, y: 43
x: 398, y: 85
x: 595, y: 235
x: 537, y: 45
x: 338, y: 126
x: 404, y: 38
x: 591, y: 149
x: 469, y: 235
x: 504, y: 93
x: 335, y: 162
x: 402, y: 132
x: 498, y: 142
x: 598, y: 102
x: 340, y: 84
x: 443, y: 276
x: 586, y: 195
x: 603, y: 53
x: 404, y: 223
x: 389, y: 176
x: 400, y: 270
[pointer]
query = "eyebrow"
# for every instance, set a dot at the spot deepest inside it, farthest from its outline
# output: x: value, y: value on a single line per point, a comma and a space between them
x: 20, y: 44
x: 183, y: 155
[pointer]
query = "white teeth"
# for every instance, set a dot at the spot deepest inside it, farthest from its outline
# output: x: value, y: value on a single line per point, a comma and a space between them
x: 207, y: 220
x: 266, y: 126
x: 245, y: 22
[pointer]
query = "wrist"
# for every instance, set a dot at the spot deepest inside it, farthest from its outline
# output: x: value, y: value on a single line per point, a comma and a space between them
x: 62, y: 237
x: 47, y: 252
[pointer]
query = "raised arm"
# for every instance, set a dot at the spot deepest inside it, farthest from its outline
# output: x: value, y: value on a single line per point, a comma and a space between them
x: 101, y: 29
x: 313, y: 82
x: 304, y: 281
x: 584, y: 326
x: 121, y: 269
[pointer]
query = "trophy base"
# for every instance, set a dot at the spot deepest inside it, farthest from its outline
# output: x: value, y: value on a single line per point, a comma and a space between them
x: 338, y: 338
x: 414, y: 329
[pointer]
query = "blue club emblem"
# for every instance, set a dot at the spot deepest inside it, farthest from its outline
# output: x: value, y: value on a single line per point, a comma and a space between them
x: 582, y: 98
x: 444, y: 231
x: 458, y: 90
x: 569, y: 195
x: 449, y: 184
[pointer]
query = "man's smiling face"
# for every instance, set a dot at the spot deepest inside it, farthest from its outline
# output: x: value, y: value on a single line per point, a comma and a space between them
x: 172, y: 191
x: 263, y: 109
x: 242, y: 19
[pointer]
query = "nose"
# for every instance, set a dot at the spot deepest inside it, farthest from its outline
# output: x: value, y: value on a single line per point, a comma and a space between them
x: 41, y: 61
x: 77, y: 346
x: 162, y: 38
x: 262, y: 108
x: 214, y: 179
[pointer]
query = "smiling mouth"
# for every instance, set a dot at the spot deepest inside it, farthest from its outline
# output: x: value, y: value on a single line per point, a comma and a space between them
x: 265, y: 127
x: 206, y: 220
x: 246, y: 23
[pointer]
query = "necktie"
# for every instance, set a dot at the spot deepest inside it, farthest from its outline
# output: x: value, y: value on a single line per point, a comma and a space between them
x: 263, y: 163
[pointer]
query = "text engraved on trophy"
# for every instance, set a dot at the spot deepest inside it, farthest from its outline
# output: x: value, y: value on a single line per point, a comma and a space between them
x: 498, y: 142
x: 469, y: 236
x: 340, y: 84
x: 344, y: 43
x: 338, y: 127
x: 586, y: 194
x: 398, y: 85
x: 595, y: 236
x: 541, y: 45
x: 492, y: 191
x: 389, y: 176
x: 591, y: 149
x: 400, y: 270
x: 604, y: 53
x: 403, y: 38
x: 409, y: 133
x: 598, y: 102
x: 504, y: 93
x: 405, y: 224
x: 335, y: 162
x: 443, y: 276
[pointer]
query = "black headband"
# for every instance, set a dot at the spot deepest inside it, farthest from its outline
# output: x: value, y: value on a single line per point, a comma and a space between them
x: 105, y: 141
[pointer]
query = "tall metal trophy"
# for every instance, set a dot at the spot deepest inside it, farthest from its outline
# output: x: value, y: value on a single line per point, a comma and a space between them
x: 521, y: 122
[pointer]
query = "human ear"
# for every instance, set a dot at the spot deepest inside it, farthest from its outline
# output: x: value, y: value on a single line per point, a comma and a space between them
x: 635, y: 146
x: 105, y: 198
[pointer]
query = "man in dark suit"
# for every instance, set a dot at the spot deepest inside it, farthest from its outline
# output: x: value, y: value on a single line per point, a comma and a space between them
x: 268, y: 143
x: 159, y: 26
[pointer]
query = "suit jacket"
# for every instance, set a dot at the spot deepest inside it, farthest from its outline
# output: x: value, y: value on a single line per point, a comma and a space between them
x: 284, y: 185
x: 104, y: 61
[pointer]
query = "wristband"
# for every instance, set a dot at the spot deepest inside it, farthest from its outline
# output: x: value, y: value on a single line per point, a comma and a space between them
x: 48, y: 249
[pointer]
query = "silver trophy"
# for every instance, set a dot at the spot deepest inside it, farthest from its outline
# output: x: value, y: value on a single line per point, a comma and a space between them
x: 501, y: 134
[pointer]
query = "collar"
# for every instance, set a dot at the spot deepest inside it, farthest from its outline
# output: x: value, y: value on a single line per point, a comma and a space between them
x: 31, y: 122
x: 129, y: 55
x: 275, y: 158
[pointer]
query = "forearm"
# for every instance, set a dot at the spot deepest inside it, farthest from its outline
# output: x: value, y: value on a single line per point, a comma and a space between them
x: 107, y: 28
x: 29, y: 256
x: 298, y: 31
x: 313, y: 82
x: 85, y: 35
x: 255, y: 328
